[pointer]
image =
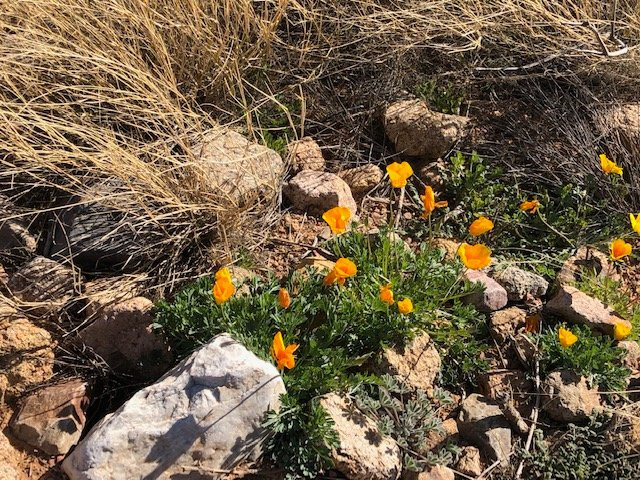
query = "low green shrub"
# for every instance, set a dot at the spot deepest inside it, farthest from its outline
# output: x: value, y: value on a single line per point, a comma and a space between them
x: 339, y: 330
x: 445, y: 99
x: 580, y: 453
x: 596, y: 357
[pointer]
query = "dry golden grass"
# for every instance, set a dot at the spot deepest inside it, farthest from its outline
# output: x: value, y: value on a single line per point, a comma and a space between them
x: 114, y: 92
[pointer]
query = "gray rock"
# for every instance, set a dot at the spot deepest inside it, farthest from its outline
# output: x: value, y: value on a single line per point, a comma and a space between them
x: 364, y: 453
x: 437, y: 472
x: 574, y: 306
x: 44, y: 286
x: 504, y: 323
x: 482, y: 423
x: 52, y: 418
x: 15, y: 238
x: 418, y: 131
x: 317, y: 192
x: 492, y: 298
x: 123, y: 337
x: 570, y: 398
x: 519, y: 283
x: 208, y: 409
x: 362, y: 179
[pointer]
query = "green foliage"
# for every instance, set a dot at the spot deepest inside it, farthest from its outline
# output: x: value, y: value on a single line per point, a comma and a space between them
x: 596, y: 357
x: 275, y: 122
x: 612, y: 293
x: 406, y: 416
x: 569, y: 216
x: 445, y: 99
x: 302, y: 437
x: 338, y: 328
x: 580, y: 454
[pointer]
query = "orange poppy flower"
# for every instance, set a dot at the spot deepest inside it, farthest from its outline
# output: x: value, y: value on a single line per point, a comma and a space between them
x: 283, y: 355
x: 609, y: 166
x: 429, y: 202
x: 386, y: 294
x: 343, y: 269
x: 223, y: 289
x: 399, y: 173
x: 480, y: 226
x: 620, y: 249
x: 405, y: 306
x: 566, y: 337
x: 530, y: 206
x: 337, y: 218
x: 223, y: 273
x: 475, y: 257
x: 284, y: 299
x: 621, y: 330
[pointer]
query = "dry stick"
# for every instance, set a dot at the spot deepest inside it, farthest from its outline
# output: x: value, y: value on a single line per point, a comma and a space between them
x: 325, y: 252
x: 534, y: 413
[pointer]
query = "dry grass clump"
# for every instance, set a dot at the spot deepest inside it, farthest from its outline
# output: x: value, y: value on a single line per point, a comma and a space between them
x: 102, y: 101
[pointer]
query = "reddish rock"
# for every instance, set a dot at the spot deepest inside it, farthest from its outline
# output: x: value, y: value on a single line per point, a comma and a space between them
x: 52, y: 418
x: 317, y: 192
x: 506, y: 384
x: 505, y: 323
x: 632, y: 353
x: 492, y: 298
x: 587, y: 259
x: 362, y: 179
x: 469, y: 462
x: 305, y: 154
x: 574, y: 306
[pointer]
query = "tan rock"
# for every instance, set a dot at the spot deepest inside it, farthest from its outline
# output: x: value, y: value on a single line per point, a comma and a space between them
x: 492, y: 297
x: 625, y: 118
x: 123, y: 337
x: 16, y: 239
x: 52, y: 418
x: 416, y: 365
x: 506, y: 384
x: 569, y: 397
x: 448, y: 246
x: 108, y: 291
x: 587, y: 259
x: 417, y: 131
x: 317, y: 192
x: 363, y: 178
x: 469, y: 462
x: 575, y: 306
x: 44, y: 286
x: 437, y: 472
x: 505, y: 323
x: 305, y: 154
x: 521, y: 284
x: 432, y: 174
x: 317, y: 263
x: 438, y: 438
x: 26, y: 351
x: 364, y: 453
x: 230, y: 165
x: 632, y: 353
x: 4, y: 278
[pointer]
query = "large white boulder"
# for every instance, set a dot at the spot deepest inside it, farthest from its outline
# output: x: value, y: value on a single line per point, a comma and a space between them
x: 204, y: 413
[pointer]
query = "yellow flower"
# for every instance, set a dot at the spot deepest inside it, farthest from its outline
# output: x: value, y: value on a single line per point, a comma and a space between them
x: 343, y: 269
x: 621, y: 330
x: 284, y: 299
x: 337, y: 218
x: 429, y: 201
x: 635, y: 222
x: 223, y: 273
x: 283, y: 355
x: 386, y: 294
x: 609, y: 166
x: 566, y: 337
x: 399, y: 173
x: 480, y: 226
x: 620, y: 249
x: 475, y: 257
x: 223, y: 289
x: 405, y: 306
x: 530, y: 206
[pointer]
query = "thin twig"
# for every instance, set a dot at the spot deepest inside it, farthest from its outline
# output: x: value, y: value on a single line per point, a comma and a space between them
x: 321, y: 250
x: 396, y: 222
